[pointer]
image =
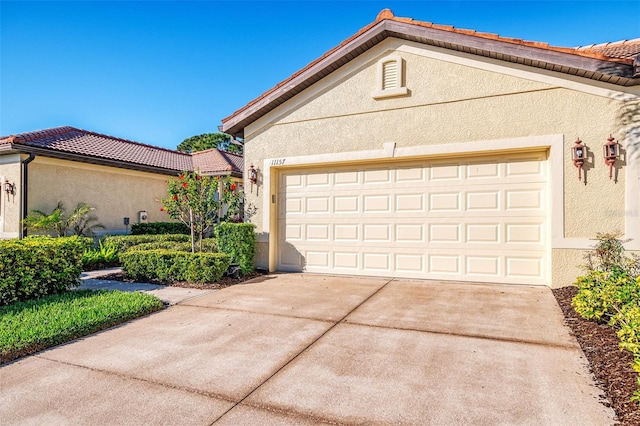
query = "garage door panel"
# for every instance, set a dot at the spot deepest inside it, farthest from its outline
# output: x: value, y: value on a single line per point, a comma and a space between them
x: 377, y: 262
x: 414, y: 175
x: 483, y: 171
x: 477, y: 220
x: 445, y: 264
x: 489, y: 266
x: 525, y: 233
x: 445, y: 202
x: 377, y: 204
x: 445, y: 172
x: 483, y: 200
x: 410, y: 233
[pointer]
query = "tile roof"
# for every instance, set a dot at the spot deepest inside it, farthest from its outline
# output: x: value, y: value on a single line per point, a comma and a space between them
x: 83, y: 145
x: 625, y: 49
x: 214, y: 161
x: 614, y: 64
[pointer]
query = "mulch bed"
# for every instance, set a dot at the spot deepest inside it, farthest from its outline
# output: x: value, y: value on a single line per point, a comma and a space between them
x: 610, y: 366
x: 599, y: 342
x: 221, y: 283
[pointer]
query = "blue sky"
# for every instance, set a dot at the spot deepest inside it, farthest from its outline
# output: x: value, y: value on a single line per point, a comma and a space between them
x: 158, y: 72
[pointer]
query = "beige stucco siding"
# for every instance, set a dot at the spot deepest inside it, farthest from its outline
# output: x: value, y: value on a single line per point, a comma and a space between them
x: 115, y: 193
x: 455, y: 98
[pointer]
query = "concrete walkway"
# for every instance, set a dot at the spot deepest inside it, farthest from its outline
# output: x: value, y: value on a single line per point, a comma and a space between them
x: 311, y: 349
x: 92, y: 280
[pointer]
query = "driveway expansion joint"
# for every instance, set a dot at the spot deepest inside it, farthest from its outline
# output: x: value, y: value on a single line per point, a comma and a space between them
x: 470, y: 336
x: 313, y: 342
x: 139, y: 379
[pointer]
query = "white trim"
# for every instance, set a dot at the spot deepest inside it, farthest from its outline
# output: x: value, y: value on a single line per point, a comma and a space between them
x: 399, y: 88
x: 8, y: 235
x: 555, y: 144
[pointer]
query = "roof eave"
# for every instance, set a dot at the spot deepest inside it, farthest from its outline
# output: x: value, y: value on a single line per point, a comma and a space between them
x: 617, y: 73
x: 88, y: 159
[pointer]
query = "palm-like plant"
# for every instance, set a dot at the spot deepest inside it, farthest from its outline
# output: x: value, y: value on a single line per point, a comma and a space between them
x: 81, y: 221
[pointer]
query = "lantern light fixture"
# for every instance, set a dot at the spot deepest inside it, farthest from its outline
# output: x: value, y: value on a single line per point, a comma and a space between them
x: 9, y: 188
x: 578, y: 155
x: 253, y: 176
x: 611, y: 152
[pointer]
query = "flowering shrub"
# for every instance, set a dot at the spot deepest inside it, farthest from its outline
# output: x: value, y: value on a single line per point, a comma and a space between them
x: 201, y: 201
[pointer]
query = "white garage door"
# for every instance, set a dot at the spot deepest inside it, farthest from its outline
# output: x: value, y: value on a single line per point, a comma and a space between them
x: 483, y: 219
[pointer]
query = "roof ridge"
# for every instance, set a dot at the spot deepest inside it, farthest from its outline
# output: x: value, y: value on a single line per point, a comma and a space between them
x: 55, y: 131
x: 609, y: 44
x: 37, y: 134
x: 175, y: 151
x: 388, y: 14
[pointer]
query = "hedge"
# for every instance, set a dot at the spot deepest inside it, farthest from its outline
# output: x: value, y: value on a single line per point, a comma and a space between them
x: 122, y: 242
x: 208, y: 245
x: 156, y: 228
x: 172, y: 265
x: 239, y: 241
x: 39, y: 266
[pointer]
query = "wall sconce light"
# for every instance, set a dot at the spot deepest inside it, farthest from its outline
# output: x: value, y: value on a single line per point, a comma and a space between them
x: 253, y: 176
x: 611, y: 152
x: 9, y: 188
x: 578, y: 155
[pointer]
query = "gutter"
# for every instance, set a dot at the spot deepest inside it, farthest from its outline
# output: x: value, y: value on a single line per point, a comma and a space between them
x: 24, y: 192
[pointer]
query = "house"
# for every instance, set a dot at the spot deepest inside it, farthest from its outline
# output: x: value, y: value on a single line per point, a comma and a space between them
x: 122, y: 179
x: 426, y: 151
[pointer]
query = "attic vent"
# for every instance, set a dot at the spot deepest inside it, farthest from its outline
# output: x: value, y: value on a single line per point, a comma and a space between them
x: 389, y: 75
x: 389, y: 78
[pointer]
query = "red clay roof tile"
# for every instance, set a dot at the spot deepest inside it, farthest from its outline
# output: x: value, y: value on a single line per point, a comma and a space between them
x: 130, y: 154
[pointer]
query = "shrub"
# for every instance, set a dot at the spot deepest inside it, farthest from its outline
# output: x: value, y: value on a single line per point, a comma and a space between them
x: 209, y: 245
x: 121, y: 243
x: 100, y: 257
x: 36, y: 267
x: 156, y: 228
x: 610, y: 292
x: 239, y: 241
x: 172, y: 265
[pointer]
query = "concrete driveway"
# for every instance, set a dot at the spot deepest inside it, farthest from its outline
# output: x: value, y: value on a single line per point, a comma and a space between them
x: 311, y: 349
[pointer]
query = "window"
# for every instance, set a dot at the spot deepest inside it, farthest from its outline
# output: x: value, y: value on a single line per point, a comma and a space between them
x: 390, y: 78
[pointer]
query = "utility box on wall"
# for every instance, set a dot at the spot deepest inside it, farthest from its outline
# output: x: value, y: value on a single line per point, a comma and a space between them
x: 143, y: 216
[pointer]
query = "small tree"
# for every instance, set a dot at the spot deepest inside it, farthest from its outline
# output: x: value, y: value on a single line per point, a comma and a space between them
x: 199, y: 202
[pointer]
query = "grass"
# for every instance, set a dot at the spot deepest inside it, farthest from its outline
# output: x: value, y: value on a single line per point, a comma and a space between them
x: 28, y: 327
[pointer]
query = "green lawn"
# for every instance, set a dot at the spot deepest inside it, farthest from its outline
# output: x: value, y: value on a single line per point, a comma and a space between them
x: 31, y: 326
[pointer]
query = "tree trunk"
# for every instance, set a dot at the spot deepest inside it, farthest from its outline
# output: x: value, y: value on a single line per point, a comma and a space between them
x: 193, y: 231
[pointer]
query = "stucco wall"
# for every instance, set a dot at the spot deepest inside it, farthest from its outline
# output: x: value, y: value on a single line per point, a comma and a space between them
x: 115, y: 193
x: 10, y: 204
x: 455, y: 98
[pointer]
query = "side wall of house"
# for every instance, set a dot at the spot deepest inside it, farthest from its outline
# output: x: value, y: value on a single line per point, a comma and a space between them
x: 456, y: 98
x: 115, y: 193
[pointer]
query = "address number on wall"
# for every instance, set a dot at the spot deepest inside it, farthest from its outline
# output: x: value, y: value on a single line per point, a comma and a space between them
x: 278, y: 161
